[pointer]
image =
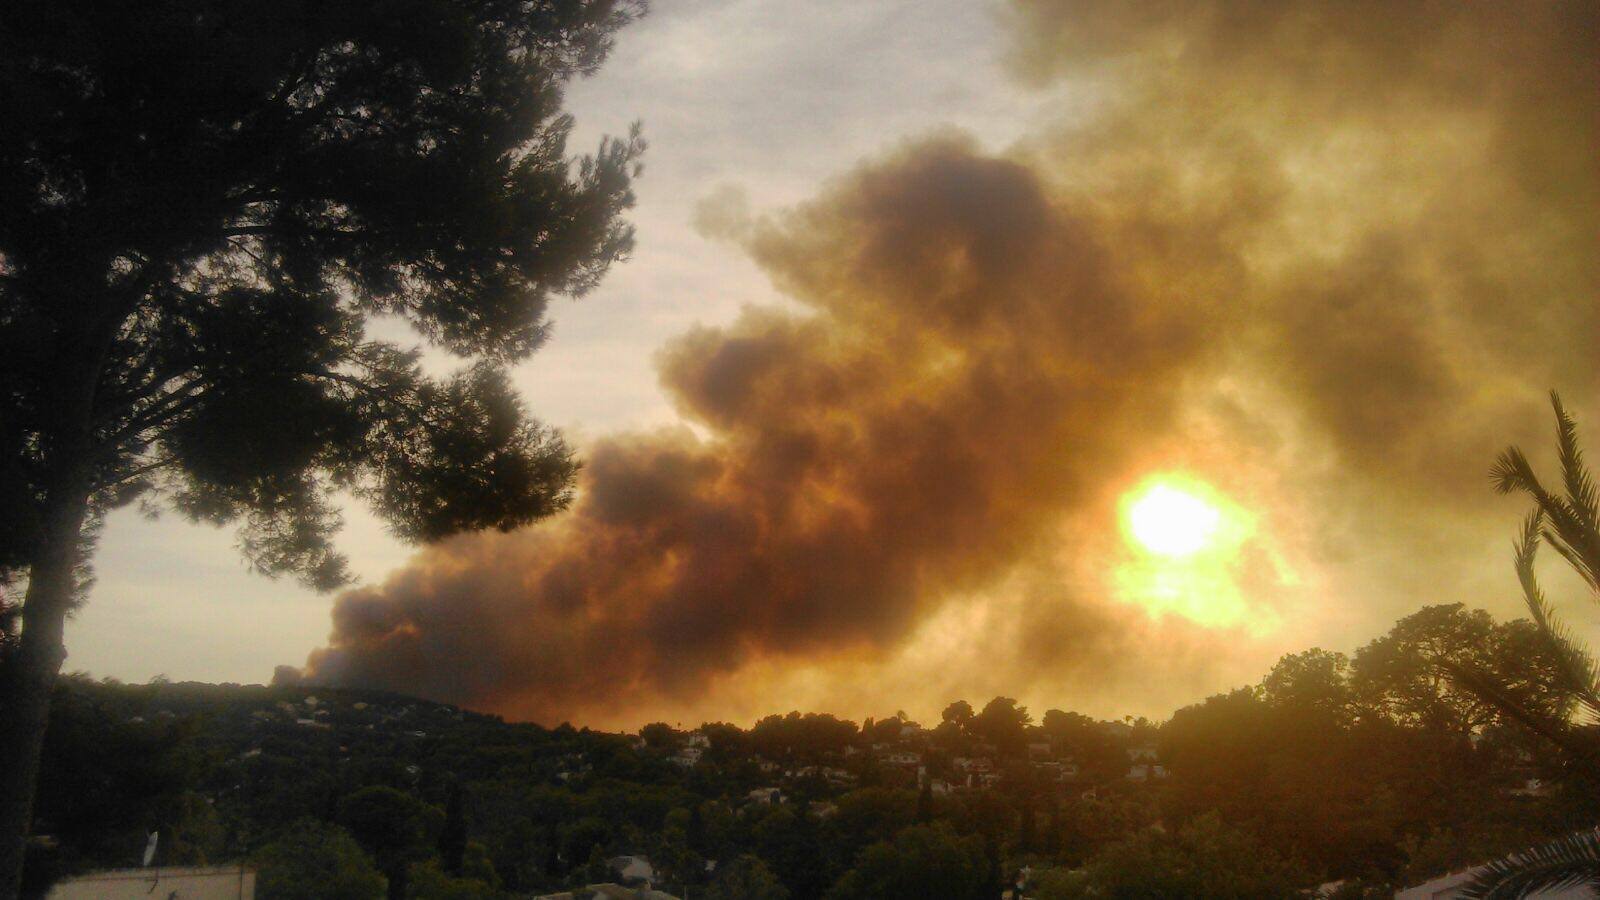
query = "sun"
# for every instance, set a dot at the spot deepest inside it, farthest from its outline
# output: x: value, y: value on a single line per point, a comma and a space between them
x: 1169, y: 520
x: 1190, y: 546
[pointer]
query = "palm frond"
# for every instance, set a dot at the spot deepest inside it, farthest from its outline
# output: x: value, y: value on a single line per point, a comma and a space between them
x: 1566, y: 862
x: 1553, y: 729
x: 1575, y: 666
x: 1578, y: 522
x: 1589, y: 572
x: 1581, y: 494
x: 1512, y: 472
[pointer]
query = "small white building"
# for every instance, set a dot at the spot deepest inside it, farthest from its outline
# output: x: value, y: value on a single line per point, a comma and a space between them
x: 1146, y: 772
x: 235, y: 882
x: 630, y: 869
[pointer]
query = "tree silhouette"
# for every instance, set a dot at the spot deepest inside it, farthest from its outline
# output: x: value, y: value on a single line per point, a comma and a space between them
x: 1571, y: 525
x: 202, y: 204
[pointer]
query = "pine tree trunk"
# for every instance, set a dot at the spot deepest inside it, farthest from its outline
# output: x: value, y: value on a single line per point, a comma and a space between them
x: 27, y: 679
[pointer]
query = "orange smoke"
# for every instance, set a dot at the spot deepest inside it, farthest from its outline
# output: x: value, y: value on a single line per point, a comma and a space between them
x: 1329, y: 254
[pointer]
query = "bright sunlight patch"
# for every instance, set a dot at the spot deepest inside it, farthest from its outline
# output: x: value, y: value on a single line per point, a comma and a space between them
x: 1186, y: 540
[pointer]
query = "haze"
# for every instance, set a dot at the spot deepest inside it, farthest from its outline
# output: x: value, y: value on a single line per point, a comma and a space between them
x: 926, y: 294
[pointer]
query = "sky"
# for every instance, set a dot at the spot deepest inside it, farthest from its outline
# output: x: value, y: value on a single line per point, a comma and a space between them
x: 1095, y: 355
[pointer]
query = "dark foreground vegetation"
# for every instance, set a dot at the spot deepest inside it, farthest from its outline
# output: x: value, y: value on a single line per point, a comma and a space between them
x: 1374, y: 769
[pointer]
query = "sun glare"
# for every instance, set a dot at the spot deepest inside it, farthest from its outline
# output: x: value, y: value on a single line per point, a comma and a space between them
x: 1187, y: 539
x: 1171, y: 521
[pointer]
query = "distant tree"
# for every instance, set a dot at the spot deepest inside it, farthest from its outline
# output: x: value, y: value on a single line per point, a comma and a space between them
x: 1398, y: 676
x: 1002, y: 723
x: 595, y: 869
x: 810, y: 735
x: 727, y: 741
x: 201, y: 205
x: 316, y: 861
x: 659, y: 735
x: 392, y: 826
x: 869, y: 815
x: 1053, y: 829
x: 674, y: 855
x: 922, y: 861
x: 453, y: 836
x: 1203, y: 859
x: 1314, y: 680
x: 1098, y: 754
x: 427, y: 881
x: 789, y: 842
x: 1027, y: 830
x: 958, y: 712
x: 745, y: 878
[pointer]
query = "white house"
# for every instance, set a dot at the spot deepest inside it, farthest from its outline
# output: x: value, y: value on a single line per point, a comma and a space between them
x: 765, y: 795
x: 1142, y: 753
x: 234, y: 882
x: 971, y: 765
x: 1146, y: 772
x: 631, y: 869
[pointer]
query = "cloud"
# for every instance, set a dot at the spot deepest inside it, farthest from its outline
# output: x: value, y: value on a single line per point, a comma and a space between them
x: 1326, y: 257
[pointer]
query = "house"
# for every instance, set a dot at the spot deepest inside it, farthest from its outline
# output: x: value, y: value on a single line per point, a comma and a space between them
x: 1117, y: 729
x: 1142, y: 753
x: 902, y: 758
x: 768, y: 795
x: 231, y: 882
x: 1146, y: 772
x: 1040, y: 750
x: 970, y: 765
x: 609, y: 891
x: 688, y: 757
x: 632, y: 869
x: 697, y: 739
x: 1532, y: 787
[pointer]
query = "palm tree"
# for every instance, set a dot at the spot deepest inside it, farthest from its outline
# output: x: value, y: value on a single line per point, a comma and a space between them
x: 1567, y: 862
x: 1569, y: 522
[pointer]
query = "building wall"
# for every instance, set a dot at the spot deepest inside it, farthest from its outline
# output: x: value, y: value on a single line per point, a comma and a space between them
x: 175, y: 883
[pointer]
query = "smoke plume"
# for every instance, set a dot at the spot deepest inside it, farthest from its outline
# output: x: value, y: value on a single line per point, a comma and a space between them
x: 1327, y: 257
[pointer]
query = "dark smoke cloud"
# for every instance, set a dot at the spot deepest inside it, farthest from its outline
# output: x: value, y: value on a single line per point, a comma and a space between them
x: 1326, y: 255
x: 969, y: 366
